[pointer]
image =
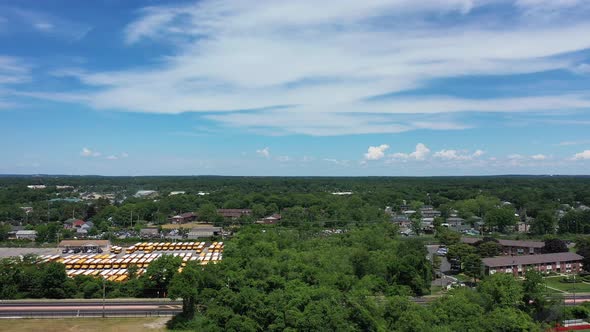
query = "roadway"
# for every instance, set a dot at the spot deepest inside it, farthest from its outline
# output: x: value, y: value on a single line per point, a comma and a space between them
x: 89, y: 308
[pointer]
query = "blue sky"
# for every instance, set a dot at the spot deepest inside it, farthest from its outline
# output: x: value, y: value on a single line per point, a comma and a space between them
x: 381, y: 87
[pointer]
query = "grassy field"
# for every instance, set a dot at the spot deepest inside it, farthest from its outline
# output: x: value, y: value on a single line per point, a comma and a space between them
x: 579, y: 287
x: 84, y: 324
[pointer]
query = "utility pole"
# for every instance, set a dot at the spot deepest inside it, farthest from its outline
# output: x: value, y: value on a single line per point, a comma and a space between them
x: 104, y: 293
x: 574, y: 288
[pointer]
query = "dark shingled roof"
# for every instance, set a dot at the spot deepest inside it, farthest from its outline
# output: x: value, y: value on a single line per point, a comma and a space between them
x: 508, y: 243
x: 531, y: 259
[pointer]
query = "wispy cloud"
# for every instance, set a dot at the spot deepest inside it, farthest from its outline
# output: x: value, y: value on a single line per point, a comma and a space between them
x: 265, y: 152
x: 47, y: 23
x: 452, y: 154
x: 568, y: 143
x: 539, y: 157
x: 296, y: 66
x: 86, y: 152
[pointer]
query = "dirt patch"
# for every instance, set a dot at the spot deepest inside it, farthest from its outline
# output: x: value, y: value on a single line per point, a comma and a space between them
x: 158, y: 324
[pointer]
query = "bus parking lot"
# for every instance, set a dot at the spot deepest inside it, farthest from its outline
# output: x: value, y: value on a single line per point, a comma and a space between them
x: 114, y: 266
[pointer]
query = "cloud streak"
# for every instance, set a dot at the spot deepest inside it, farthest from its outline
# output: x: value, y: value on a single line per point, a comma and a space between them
x: 297, y: 67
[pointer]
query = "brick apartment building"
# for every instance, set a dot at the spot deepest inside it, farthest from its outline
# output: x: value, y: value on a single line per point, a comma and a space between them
x: 563, y: 262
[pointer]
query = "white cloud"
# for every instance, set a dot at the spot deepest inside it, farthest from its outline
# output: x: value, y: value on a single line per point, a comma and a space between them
x: 112, y: 157
x: 376, y: 152
x: 124, y: 155
x: 515, y: 156
x: 539, y: 157
x: 284, y: 159
x: 13, y: 70
x: 337, y: 161
x: 421, y: 152
x: 568, y: 143
x: 584, y: 155
x: 234, y: 55
x: 44, y: 26
x: 48, y: 24
x: 582, y: 68
x: 452, y: 154
x: 478, y: 153
x: 264, y: 152
x: 86, y: 152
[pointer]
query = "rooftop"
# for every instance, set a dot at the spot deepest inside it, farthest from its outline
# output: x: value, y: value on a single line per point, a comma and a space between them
x: 531, y: 259
x: 508, y: 243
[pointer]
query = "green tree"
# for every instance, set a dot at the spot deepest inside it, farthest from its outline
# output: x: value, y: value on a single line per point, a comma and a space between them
x: 534, y: 298
x: 500, y: 218
x: 554, y: 246
x: 501, y: 290
x: 185, y: 286
x: 460, y: 250
x: 489, y: 249
x: 508, y: 320
x: 472, y: 266
x: 258, y: 210
x: 448, y: 237
x: 544, y: 223
x: 159, y: 274
x: 208, y: 212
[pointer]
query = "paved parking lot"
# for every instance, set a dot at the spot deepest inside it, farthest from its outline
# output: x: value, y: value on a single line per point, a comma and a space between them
x: 10, y: 252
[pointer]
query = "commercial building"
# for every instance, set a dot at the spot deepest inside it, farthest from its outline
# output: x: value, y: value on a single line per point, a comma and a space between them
x: 26, y: 235
x: 85, y: 245
x: 203, y: 232
x: 563, y: 262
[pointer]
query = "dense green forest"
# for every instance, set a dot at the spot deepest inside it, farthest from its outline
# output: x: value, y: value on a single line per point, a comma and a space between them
x: 276, y: 279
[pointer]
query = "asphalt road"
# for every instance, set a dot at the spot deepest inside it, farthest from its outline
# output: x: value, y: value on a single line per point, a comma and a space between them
x: 445, y: 266
x: 89, y: 308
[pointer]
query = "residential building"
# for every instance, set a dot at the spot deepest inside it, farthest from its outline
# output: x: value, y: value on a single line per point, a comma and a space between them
x: 270, y: 220
x: 26, y: 235
x: 402, y: 220
x: 563, y: 262
x: 523, y: 227
x: 172, y: 193
x: 513, y: 247
x: 13, y: 230
x: 27, y: 209
x: 183, y: 218
x: 73, y: 223
x: 456, y: 224
x: 428, y: 211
